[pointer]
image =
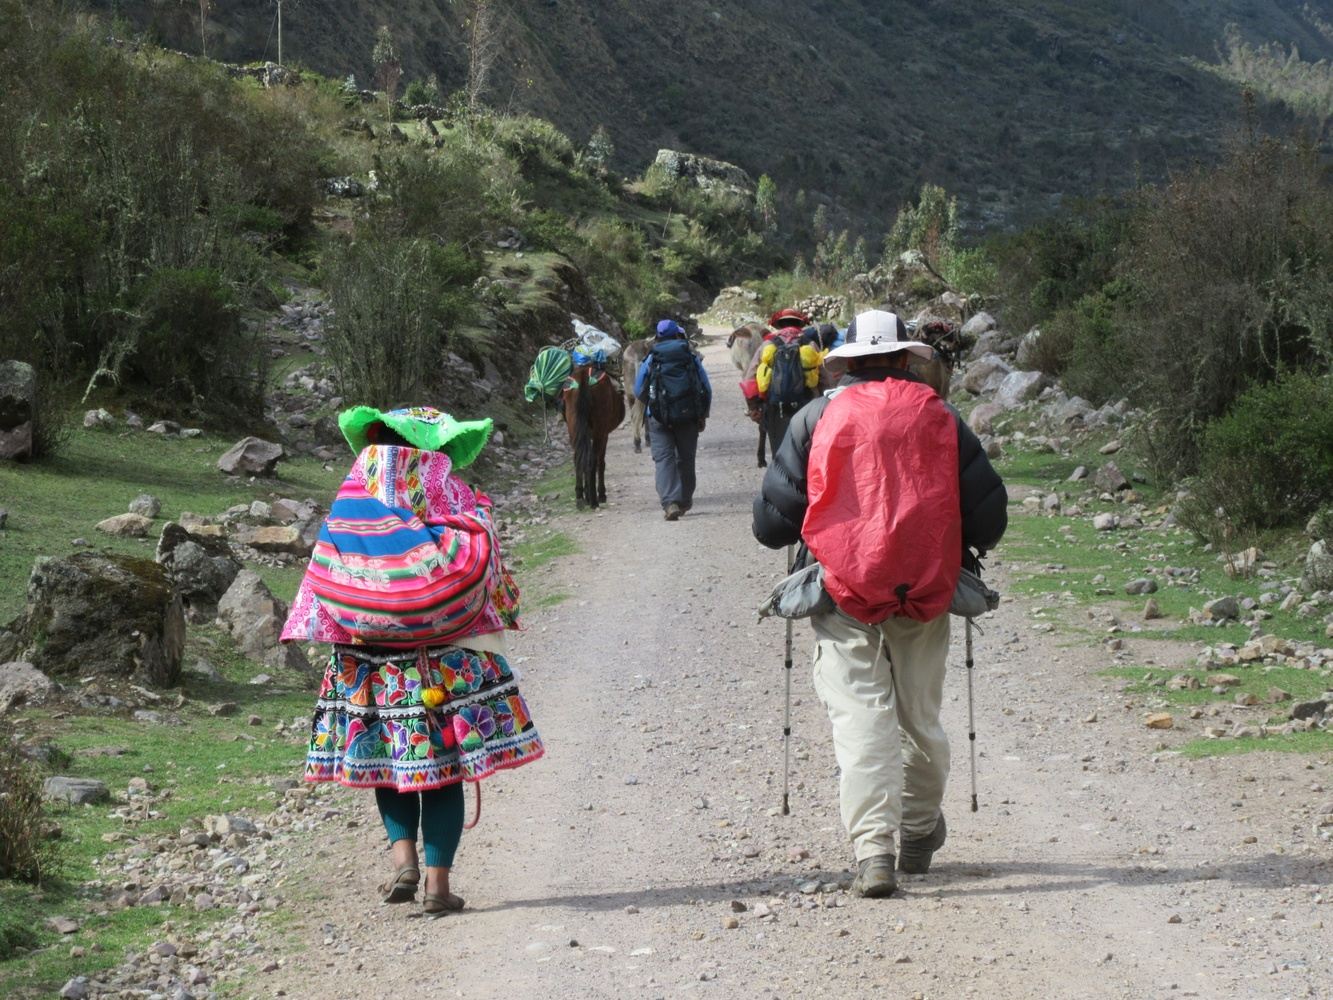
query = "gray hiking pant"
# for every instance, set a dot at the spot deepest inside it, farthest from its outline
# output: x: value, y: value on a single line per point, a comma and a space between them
x: 673, y: 456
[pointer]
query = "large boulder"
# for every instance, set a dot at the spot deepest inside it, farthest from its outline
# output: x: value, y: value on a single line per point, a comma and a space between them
x: 982, y: 417
x: 254, y: 619
x: 982, y: 322
x: 251, y: 456
x: 1318, y: 568
x: 985, y: 374
x: 21, y: 683
x: 1019, y: 388
x: 201, y: 567
x: 1072, y: 411
x: 1028, y: 348
x: 705, y: 173
x: 99, y: 614
x: 18, y: 404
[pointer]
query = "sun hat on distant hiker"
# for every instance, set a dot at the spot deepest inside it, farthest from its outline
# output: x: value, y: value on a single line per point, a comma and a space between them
x: 879, y: 332
x: 423, y: 427
x: 669, y: 328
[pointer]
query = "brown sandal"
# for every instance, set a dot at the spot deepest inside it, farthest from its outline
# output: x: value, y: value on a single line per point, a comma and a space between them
x: 403, y: 886
x: 435, y: 905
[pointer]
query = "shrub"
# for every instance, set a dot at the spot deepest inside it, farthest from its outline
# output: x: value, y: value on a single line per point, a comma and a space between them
x: 28, y: 851
x: 1269, y: 461
x: 1232, y: 278
x: 123, y: 165
x: 397, y: 301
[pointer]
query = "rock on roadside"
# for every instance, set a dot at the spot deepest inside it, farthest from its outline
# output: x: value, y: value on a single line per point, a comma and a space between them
x: 251, y: 456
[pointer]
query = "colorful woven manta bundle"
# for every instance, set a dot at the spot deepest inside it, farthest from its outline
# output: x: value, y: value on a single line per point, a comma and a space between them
x: 407, y: 556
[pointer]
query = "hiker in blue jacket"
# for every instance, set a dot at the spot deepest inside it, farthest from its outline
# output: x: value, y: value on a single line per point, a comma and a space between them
x: 673, y: 384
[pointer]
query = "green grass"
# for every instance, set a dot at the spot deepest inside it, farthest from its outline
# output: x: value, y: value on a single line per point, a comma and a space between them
x: 54, y: 501
x: 1315, y: 742
x: 1047, y: 560
x: 211, y: 765
x: 1302, y: 685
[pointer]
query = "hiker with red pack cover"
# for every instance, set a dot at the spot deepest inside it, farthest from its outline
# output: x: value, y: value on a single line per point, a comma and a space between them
x: 889, y: 490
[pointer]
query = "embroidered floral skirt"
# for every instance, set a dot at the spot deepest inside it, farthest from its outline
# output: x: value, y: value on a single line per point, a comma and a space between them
x: 373, y: 729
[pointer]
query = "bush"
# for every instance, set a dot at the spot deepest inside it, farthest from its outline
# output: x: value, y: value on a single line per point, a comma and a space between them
x: 1232, y: 278
x: 28, y: 851
x: 397, y: 302
x: 124, y: 165
x: 1269, y: 461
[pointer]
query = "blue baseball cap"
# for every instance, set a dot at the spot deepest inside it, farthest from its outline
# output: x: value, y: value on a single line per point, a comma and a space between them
x: 669, y: 328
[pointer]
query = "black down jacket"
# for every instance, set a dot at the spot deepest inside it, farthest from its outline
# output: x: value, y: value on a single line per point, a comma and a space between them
x: 779, y: 510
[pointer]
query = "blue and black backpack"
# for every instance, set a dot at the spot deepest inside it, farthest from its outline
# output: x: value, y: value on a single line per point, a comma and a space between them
x: 676, y: 394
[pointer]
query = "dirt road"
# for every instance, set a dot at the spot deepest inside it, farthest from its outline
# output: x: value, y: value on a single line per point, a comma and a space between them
x: 613, y: 868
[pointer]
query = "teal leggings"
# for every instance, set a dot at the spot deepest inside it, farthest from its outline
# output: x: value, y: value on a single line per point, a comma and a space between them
x: 439, y: 813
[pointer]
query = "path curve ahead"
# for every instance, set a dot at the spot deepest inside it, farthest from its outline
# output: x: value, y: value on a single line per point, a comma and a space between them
x: 614, y: 867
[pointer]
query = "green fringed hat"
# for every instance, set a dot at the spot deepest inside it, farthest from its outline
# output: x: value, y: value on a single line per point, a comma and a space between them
x: 423, y: 427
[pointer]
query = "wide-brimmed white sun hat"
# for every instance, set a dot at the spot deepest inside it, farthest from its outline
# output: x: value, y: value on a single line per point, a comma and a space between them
x: 879, y: 332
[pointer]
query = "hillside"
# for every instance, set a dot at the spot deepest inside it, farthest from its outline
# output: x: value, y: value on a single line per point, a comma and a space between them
x: 856, y: 103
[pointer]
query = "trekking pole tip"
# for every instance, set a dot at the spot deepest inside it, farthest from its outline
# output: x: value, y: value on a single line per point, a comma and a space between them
x: 974, y: 803
x: 786, y: 807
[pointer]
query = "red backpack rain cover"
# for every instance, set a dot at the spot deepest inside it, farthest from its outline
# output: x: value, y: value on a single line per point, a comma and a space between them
x: 884, y: 517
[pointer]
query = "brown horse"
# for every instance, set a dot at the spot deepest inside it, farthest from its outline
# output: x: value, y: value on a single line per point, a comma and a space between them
x: 594, y: 407
x: 636, y: 351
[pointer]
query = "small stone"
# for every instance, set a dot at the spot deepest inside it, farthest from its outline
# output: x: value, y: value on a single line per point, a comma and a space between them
x: 125, y: 525
x: 75, y: 791
x: 1223, y: 609
x: 1248, y: 699
x: 75, y: 989
x: 1173, y: 919
x: 1091, y: 718
x: 1079, y: 473
x: 1105, y: 522
x: 731, y: 923
x: 1151, y: 610
x: 1142, y: 585
x: 737, y: 906
x: 254, y: 720
x: 203, y: 901
x: 1159, y: 720
x: 146, y: 505
x: 1276, y: 694
x: 62, y: 925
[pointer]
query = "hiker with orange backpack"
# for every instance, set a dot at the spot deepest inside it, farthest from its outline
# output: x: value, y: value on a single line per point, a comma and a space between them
x: 891, y: 547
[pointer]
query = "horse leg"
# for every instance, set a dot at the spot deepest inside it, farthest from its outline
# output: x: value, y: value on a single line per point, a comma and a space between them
x: 601, y: 470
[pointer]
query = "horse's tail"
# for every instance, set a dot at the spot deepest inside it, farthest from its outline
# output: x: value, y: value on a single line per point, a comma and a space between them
x: 585, y: 455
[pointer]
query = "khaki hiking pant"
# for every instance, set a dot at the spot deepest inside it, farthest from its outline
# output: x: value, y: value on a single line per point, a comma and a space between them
x: 883, y: 686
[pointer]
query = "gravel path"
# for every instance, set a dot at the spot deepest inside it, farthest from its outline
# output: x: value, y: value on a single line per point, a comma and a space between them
x: 645, y: 856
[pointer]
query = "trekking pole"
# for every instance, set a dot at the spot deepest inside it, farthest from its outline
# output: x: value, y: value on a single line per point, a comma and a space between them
x: 786, y: 719
x: 971, y: 723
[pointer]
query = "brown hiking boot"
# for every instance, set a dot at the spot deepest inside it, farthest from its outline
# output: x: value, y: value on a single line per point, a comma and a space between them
x: 916, y: 852
x: 672, y: 512
x: 875, y: 878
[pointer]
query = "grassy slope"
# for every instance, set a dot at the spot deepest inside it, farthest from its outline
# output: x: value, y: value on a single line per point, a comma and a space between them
x: 1058, y: 569
x: 53, y: 502
x: 1011, y: 103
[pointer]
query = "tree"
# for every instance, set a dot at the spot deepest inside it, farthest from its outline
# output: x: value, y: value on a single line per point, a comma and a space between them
x: 599, y: 150
x: 204, y: 7
x: 388, y: 64
x: 483, y: 47
x: 930, y: 226
x: 766, y: 202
